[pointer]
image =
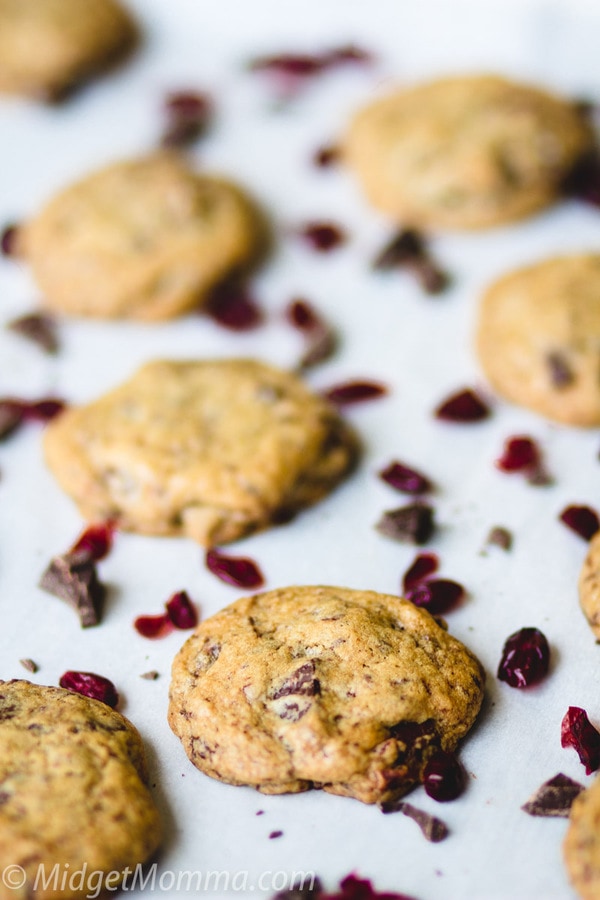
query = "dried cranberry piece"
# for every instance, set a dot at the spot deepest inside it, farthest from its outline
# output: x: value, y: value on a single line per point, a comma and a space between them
x: 355, y: 392
x: 577, y: 731
x: 11, y: 416
x: 153, y: 626
x: 188, y: 115
x: 296, y: 65
x: 354, y: 888
x: 96, y: 541
x: 443, y: 777
x: 181, y: 612
x: 437, y: 596
x: 525, y: 658
x: 326, y: 157
x: 423, y: 565
x: 43, y: 410
x: 303, y: 316
x: 8, y: 240
x: 520, y: 454
x: 322, y: 236
x: 464, y: 406
x: 236, y: 570
x: 405, y: 479
x: 581, y: 519
x: 232, y: 305
x: 90, y: 685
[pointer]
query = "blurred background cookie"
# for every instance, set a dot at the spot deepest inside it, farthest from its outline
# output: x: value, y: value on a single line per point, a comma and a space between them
x: 465, y: 152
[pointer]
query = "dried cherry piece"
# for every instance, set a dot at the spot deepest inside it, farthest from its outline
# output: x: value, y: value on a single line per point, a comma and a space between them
x: 583, y: 520
x: 406, y: 479
x: 355, y: 392
x: 153, y: 626
x: 181, y: 611
x: 578, y: 732
x: 91, y: 685
x: 235, y: 570
x: 465, y: 406
x: 525, y: 658
x: 443, y: 777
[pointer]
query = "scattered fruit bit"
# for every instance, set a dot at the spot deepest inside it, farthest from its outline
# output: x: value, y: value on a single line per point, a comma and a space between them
x: 152, y: 675
x: 433, y: 829
x: 275, y: 834
x: 322, y: 236
x: 413, y: 524
x: 525, y: 658
x: 311, y: 890
x: 423, y: 565
x: 72, y: 577
x: 90, y: 685
x: 181, y: 612
x: 522, y: 454
x: 554, y: 798
x: 561, y: 373
x: 292, y: 70
x: 96, y: 541
x: 583, y: 520
x: 438, y: 596
x: 327, y: 156
x: 14, y: 412
x: 577, y: 731
x: 464, y: 406
x: 8, y: 240
x: 11, y: 416
x: 405, y: 479
x: 232, y: 306
x: 353, y: 888
x: 37, y: 327
x: 443, y: 777
x: 408, y: 249
x: 235, y: 570
x: 188, y: 114
x: 321, y: 340
x: 29, y: 665
x: 355, y: 392
x: 500, y: 537
x: 153, y: 626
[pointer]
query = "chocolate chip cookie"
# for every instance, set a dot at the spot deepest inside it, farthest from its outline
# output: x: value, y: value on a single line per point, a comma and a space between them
x: 212, y: 450
x: 322, y: 687
x: 589, y: 586
x: 538, y: 338
x: 73, y: 792
x: 465, y: 152
x: 142, y: 239
x: 582, y: 843
x: 49, y: 46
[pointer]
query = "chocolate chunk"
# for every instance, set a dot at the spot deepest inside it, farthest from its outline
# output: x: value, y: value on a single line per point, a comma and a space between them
x: 151, y: 676
x: 433, y: 829
x: 29, y: 664
x: 409, y: 249
x: 561, y: 373
x: 413, y: 524
x: 73, y: 578
x: 302, y: 682
x: 11, y: 416
x: 554, y: 798
x: 500, y: 537
x: 37, y: 327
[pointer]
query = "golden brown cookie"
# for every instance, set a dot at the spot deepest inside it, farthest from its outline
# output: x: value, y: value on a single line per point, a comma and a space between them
x: 345, y: 690
x: 49, y: 46
x: 538, y: 338
x: 213, y: 450
x: 142, y: 239
x: 589, y: 586
x: 73, y: 792
x: 465, y: 152
x: 582, y: 843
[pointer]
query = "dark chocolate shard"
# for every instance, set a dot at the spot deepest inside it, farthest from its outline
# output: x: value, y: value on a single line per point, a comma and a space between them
x: 433, y: 829
x: 302, y: 682
x: 554, y: 798
x: 152, y: 675
x: 73, y: 578
x: 409, y: 249
x: 29, y: 665
x: 38, y: 328
x: 500, y: 537
x: 412, y: 524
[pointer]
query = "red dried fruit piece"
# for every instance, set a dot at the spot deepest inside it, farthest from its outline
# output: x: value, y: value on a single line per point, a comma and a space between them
x: 583, y: 520
x: 297, y: 66
x: 525, y: 658
x: 322, y: 236
x: 355, y: 392
x: 8, y: 240
x: 181, y: 612
x: 13, y: 412
x: 423, y: 565
x: 520, y: 454
x: 96, y: 541
x: 11, y: 416
x: 354, y: 888
x: 303, y: 316
x: 443, y: 777
x: 43, y: 410
x: 236, y: 570
x: 90, y: 685
x: 153, y: 626
x: 275, y: 834
x: 464, y: 406
x: 577, y: 731
x: 232, y: 305
x: 437, y: 596
x: 188, y: 115
x: 405, y: 479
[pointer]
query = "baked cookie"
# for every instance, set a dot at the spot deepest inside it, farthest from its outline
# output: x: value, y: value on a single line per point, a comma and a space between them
x: 465, y: 152
x: 582, y: 843
x: 49, y: 46
x: 72, y: 791
x: 345, y: 690
x: 538, y: 338
x: 142, y: 239
x: 589, y: 586
x: 213, y: 450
